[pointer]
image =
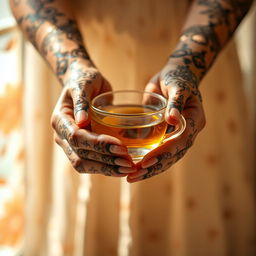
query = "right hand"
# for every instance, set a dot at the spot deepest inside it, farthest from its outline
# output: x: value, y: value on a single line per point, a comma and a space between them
x: 88, y: 152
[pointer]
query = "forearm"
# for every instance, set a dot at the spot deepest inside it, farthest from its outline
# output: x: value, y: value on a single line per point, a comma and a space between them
x: 209, y: 26
x: 52, y: 29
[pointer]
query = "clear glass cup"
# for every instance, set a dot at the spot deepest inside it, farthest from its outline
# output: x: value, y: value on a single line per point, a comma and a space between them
x: 134, y: 117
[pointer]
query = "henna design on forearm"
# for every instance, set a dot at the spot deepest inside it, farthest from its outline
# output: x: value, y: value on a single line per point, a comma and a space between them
x: 52, y: 44
x: 199, y: 44
x: 62, y: 44
x: 225, y: 12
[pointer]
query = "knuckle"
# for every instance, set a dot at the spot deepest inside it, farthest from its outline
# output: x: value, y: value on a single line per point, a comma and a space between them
x: 73, y: 138
x: 77, y: 164
x: 108, y: 159
x: 83, y: 153
x: 81, y: 104
x: 99, y: 144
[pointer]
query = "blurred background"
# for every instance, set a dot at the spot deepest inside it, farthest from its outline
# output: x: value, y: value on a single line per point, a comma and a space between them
x: 15, y: 58
x: 11, y: 136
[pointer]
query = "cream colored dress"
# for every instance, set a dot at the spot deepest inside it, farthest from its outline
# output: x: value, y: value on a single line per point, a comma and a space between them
x: 204, y: 204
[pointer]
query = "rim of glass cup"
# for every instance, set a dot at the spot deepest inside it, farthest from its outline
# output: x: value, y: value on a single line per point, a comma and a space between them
x: 162, y: 98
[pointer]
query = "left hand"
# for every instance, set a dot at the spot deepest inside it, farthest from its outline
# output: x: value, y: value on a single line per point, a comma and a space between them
x: 179, y: 85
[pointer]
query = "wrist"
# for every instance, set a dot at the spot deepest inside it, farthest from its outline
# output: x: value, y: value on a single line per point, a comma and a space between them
x: 75, y: 67
x: 181, y: 65
x: 77, y: 71
x: 176, y: 72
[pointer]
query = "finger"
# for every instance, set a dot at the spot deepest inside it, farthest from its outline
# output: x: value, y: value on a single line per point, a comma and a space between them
x: 106, y: 159
x: 103, y: 144
x: 177, y: 99
x: 81, y: 88
x: 67, y: 129
x: 81, y: 105
x: 93, y: 167
x: 136, y: 176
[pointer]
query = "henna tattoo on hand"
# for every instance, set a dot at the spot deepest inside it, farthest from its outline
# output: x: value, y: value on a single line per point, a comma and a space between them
x: 63, y: 128
x: 80, y: 77
x: 66, y: 131
x: 183, y: 77
x: 110, y: 170
x: 185, y: 81
x: 191, y: 57
x: 167, y: 159
x: 87, y: 154
x: 83, y: 153
x: 100, y: 147
x: 81, y: 104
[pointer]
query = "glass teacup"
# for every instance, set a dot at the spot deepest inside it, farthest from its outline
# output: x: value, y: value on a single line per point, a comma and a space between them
x: 134, y: 117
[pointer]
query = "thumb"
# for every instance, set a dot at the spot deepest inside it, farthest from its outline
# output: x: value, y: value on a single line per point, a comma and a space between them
x: 176, y: 102
x: 81, y: 106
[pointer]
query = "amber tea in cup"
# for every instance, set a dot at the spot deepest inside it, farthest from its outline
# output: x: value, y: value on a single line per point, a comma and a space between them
x: 134, y: 117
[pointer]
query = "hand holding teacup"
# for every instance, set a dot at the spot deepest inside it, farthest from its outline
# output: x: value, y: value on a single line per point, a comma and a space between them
x: 88, y: 152
x: 177, y: 83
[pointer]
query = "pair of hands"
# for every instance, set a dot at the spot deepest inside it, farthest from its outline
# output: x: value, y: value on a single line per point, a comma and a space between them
x: 98, y: 153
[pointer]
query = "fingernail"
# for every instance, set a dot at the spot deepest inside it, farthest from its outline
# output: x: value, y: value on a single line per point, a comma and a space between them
x: 174, y: 112
x: 127, y: 170
x: 149, y: 162
x: 118, y: 150
x: 81, y: 116
x: 123, y: 162
x: 139, y: 173
x: 174, y: 116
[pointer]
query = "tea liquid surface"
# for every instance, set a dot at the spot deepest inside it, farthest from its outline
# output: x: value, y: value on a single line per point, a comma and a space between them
x: 141, y: 131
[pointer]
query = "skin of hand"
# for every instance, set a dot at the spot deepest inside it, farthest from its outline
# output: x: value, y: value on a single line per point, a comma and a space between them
x: 88, y: 152
x: 179, y: 85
